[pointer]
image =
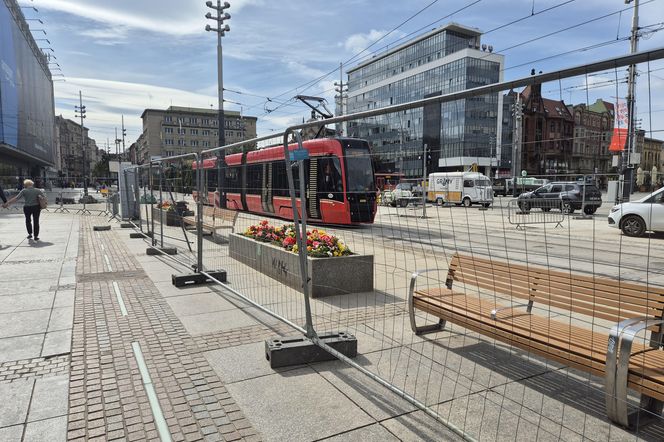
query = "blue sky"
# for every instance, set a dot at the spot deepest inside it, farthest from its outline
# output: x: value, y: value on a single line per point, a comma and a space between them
x: 130, y: 55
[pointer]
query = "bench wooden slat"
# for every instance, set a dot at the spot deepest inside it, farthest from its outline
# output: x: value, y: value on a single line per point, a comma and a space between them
x: 560, y: 338
x: 215, y: 218
x: 572, y: 278
x: 615, y: 305
x: 510, y: 336
x: 599, y: 289
x: 552, y: 331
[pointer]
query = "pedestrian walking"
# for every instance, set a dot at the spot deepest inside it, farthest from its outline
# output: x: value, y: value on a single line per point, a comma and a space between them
x: 2, y: 196
x: 32, y: 206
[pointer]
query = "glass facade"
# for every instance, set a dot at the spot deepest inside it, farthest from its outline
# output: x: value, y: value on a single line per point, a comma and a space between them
x: 463, y: 128
x: 26, y: 95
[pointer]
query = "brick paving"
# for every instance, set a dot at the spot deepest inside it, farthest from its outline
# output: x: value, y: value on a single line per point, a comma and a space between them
x: 259, y: 332
x: 107, y: 399
x: 34, y: 368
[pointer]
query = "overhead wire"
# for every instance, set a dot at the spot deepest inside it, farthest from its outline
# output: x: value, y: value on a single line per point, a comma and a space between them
x: 550, y: 34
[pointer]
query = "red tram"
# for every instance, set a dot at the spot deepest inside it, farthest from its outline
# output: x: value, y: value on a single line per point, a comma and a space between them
x: 340, y: 186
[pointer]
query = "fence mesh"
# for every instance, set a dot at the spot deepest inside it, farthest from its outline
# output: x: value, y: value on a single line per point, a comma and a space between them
x: 533, y: 317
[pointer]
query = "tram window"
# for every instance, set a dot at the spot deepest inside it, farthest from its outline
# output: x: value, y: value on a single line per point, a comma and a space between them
x: 279, y: 179
x: 254, y: 179
x: 233, y: 184
x: 211, y: 178
x: 329, y: 178
x: 296, y: 179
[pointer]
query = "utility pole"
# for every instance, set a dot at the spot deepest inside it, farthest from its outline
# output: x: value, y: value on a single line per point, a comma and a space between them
x: 425, y: 158
x: 221, y: 30
x: 627, y: 168
x: 124, y: 134
x: 80, y: 111
x: 117, y: 150
x: 516, y: 144
x: 340, y: 88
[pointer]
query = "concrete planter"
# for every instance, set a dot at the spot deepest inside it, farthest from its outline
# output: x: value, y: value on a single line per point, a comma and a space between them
x: 171, y: 217
x: 328, y: 276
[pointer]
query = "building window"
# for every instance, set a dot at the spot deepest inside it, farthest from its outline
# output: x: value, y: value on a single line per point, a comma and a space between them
x: 182, y: 143
x: 194, y: 143
x: 168, y: 141
x: 206, y: 132
x: 182, y: 131
x: 168, y: 130
x: 206, y: 121
x: 193, y: 131
x: 206, y: 144
x: 168, y: 119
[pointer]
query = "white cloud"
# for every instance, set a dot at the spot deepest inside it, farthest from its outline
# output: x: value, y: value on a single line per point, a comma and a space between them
x: 358, y: 42
x: 107, y: 36
x: 173, y: 17
x: 106, y: 102
x: 303, y: 70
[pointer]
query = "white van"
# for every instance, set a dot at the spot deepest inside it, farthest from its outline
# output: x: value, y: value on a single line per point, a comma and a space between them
x: 465, y: 188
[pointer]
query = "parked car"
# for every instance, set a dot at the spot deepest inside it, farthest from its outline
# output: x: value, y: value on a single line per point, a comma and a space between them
x: 636, y: 217
x: 499, y: 186
x: 401, y: 195
x: 566, y: 196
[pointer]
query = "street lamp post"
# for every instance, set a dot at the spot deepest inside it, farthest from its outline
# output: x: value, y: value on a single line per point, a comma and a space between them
x: 80, y: 111
x: 221, y: 30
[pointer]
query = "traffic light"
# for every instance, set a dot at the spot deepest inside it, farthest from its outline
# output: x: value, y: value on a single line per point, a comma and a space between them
x: 429, y: 159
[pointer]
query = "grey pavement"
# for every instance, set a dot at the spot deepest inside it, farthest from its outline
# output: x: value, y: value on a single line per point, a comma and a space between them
x: 490, y: 390
x: 36, y: 316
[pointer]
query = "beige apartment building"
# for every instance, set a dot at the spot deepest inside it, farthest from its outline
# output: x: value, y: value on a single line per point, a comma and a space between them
x: 70, y: 151
x: 179, y: 130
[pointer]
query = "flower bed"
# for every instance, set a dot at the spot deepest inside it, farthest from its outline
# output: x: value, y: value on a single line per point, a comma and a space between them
x: 332, y: 268
x: 319, y: 243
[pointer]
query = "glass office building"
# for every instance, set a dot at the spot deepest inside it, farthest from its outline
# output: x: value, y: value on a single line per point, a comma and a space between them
x: 27, y: 145
x: 458, y: 134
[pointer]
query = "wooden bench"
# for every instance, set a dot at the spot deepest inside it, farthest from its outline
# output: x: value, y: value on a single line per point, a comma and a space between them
x: 505, y: 313
x: 214, y: 218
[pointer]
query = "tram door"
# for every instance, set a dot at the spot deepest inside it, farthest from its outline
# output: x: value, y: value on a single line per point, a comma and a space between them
x: 266, y: 189
x: 313, y: 200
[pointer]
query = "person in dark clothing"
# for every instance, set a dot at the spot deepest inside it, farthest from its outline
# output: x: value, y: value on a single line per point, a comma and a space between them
x: 2, y: 195
x: 31, y: 207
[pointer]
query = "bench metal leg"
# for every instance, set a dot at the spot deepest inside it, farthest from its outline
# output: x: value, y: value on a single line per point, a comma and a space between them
x: 529, y: 309
x: 617, y: 369
x: 424, y: 329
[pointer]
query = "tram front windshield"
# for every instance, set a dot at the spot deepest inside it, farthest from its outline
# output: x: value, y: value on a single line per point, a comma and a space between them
x: 359, y: 171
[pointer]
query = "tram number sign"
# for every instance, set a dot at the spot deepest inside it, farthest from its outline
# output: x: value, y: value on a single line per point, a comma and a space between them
x: 299, y: 154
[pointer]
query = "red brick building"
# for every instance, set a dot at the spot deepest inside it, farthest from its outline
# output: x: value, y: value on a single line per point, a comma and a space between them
x: 548, y: 132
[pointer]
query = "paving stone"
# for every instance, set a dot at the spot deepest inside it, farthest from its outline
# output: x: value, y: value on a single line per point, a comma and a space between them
x: 12, y: 433
x: 47, y: 430
x: 24, y: 323
x: 371, y: 433
x: 15, y: 401
x: 49, y: 398
x: 57, y: 343
x: 26, y: 301
x: 291, y: 392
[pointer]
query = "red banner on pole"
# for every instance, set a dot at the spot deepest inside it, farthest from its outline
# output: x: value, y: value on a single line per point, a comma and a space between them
x: 618, y: 140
